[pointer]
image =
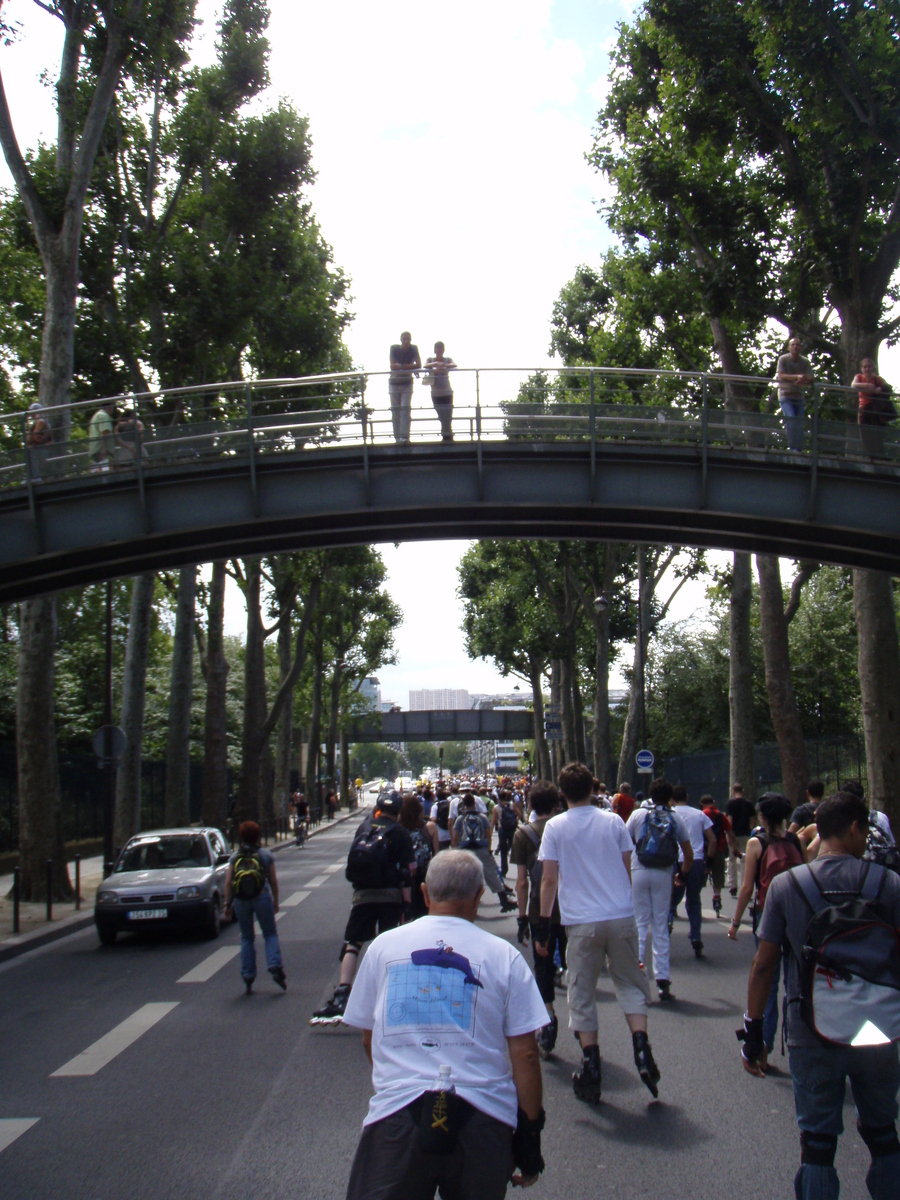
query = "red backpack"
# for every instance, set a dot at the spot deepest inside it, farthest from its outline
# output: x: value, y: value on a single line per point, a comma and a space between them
x: 778, y: 855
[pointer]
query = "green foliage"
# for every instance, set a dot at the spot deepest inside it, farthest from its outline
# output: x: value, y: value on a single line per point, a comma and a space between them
x: 370, y: 759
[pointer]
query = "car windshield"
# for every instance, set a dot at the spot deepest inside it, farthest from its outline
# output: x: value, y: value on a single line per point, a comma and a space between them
x: 163, y: 853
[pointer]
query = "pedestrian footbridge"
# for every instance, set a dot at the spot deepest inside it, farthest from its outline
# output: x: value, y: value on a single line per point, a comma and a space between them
x: 276, y: 465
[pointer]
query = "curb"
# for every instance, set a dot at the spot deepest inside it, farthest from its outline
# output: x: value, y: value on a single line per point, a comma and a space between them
x: 13, y: 947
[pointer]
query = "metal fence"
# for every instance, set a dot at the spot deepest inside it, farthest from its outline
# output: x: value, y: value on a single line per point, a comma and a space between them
x: 242, y: 421
x: 833, y: 760
x: 83, y: 790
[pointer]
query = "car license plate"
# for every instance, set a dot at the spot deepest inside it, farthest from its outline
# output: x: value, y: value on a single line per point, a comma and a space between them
x: 148, y: 914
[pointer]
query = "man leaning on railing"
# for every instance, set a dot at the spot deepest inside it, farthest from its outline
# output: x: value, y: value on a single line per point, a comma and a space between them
x: 793, y: 375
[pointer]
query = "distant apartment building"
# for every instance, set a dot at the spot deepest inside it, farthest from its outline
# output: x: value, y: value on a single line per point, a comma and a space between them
x: 438, y: 699
x: 370, y: 690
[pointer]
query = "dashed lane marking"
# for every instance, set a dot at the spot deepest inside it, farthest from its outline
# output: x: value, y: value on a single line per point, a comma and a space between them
x: 279, y: 915
x: 90, y: 1061
x: 13, y: 1127
x: 317, y: 881
x: 215, y: 962
x: 293, y: 901
x: 334, y: 867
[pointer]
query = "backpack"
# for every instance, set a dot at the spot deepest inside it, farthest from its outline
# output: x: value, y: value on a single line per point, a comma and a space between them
x: 472, y: 836
x: 370, y: 861
x: 718, y: 826
x: 248, y: 876
x: 657, y: 845
x: 536, y: 873
x: 442, y: 814
x: 879, y: 849
x: 508, y: 820
x: 850, y: 964
x: 778, y: 855
x: 423, y: 851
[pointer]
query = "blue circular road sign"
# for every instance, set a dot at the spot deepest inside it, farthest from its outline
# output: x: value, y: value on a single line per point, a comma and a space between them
x: 644, y: 759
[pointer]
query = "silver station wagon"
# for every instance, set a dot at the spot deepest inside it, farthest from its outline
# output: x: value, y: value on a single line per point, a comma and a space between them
x: 165, y: 878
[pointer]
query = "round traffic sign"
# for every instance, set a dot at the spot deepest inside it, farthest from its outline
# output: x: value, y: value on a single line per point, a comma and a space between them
x: 644, y: 759
x: 109, y: 743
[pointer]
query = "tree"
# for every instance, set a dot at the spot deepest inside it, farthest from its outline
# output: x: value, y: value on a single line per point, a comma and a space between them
x: 178, y: 729
x: 98, y: 42
x: 215, y: 672
x: 127, y: 819
x: 740, y: 682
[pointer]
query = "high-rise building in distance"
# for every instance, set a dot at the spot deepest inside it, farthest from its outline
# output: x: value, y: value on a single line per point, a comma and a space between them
x: 438, y: 699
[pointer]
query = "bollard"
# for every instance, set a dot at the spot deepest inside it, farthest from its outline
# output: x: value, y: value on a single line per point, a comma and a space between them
x: 78, y: 883
x: 49, y: 889
x: 16, y: 899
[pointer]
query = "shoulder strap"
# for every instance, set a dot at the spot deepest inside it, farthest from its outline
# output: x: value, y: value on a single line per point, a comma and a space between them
x: 806, y: 881
x: 872, y: 881
x: 532, y: 834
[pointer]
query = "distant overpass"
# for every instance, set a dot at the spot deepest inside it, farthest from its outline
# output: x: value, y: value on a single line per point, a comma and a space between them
x: 455, y: 725
x: 281, y: 465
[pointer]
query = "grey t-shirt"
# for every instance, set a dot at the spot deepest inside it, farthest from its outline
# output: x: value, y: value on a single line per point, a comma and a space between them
x: 792, y: 366
x: 787, y: 915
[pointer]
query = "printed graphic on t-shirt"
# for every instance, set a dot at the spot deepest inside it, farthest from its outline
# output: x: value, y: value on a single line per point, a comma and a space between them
x: 435, y: 989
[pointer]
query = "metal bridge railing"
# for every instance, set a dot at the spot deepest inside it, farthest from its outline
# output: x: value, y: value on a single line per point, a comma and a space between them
x: 253, y: 420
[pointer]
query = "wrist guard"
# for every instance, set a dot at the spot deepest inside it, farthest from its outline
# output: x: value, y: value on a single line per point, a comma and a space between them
x: 752, y: 1037
x: 524, y: 931
x: 543, y: 931
x: 526, y: 1145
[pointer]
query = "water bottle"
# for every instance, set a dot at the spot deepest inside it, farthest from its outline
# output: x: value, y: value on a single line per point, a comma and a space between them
x: 442, y: 1083
x: 439, y: 1123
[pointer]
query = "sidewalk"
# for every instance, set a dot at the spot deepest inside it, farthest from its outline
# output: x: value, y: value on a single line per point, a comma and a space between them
x: 34, y: 928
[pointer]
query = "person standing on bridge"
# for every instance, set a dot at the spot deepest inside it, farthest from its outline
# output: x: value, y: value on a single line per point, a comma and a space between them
x: 404, y: 358
x: 793, y: 375
x: 440, y: 367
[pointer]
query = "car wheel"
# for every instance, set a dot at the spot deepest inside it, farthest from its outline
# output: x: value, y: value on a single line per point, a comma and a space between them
x: 215, y: 922
x: 107, y: 936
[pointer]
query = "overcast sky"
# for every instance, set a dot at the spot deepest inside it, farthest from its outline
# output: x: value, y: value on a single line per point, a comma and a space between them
x: 449, y: 143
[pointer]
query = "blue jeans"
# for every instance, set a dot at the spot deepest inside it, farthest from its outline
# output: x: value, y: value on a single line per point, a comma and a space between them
x: 793, y: 421
x: 819, y: 1074
x: 696, y: 878
x: 264, y: 907
x: 770, y: 1016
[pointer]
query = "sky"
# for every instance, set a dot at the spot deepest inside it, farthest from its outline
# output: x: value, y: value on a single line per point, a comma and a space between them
x: 450, y: 144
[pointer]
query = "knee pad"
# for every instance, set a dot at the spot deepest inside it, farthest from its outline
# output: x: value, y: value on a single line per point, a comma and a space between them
x: 817, y: 1149
x: 349, y: 948
x: 881, y: 1139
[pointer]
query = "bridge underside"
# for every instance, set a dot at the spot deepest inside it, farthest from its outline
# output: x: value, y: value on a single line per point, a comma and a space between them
x: 82, y: 531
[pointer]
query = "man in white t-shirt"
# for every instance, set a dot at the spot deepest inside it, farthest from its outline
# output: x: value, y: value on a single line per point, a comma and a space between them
x: 442, y: 1004
x: 586, y: 854
x: 693, y: 879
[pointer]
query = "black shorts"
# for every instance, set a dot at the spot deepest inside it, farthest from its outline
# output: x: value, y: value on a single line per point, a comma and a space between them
x: 367, y: 919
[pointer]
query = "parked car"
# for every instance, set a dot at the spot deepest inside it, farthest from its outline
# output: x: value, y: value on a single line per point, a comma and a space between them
x: 165, y: 878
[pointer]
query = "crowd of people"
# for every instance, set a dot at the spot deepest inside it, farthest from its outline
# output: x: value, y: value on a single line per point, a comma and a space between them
x: 455, y: 1023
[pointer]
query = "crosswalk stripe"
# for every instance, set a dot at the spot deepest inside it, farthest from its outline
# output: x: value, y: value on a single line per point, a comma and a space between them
x: 90, y: 1061
x: 317, y: 881
x: 215, y: 962
x: 293, y: 901
x: 13, y: 1127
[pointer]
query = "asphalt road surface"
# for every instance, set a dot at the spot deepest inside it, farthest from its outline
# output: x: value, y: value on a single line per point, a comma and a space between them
x: 142, y: 1071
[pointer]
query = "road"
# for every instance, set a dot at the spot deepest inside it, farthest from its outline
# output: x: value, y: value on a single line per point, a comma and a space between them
x: 199, y: 1091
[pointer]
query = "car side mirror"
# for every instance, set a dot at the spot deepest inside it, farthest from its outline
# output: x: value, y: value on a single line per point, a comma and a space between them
x: 222, y: 859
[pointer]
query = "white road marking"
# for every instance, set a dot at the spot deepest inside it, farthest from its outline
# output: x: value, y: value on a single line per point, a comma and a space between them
x: 279, y: 915
x: 90, y: 1061
x: 335, y: 867
x: 316, y: 882
x: 293, y: 901
x: 215, y: 962
x: 13, y: 1127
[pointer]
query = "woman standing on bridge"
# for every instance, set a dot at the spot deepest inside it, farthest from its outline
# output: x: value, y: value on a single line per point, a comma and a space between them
x: 441, y: 391
x: 873, y: 415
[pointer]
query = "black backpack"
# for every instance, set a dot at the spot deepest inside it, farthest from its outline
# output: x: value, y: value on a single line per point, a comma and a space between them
x: 248, y: 874
x: 442, y: 814
x: 508, y: 820
x: 370, y: 863
x: 849, y: 964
